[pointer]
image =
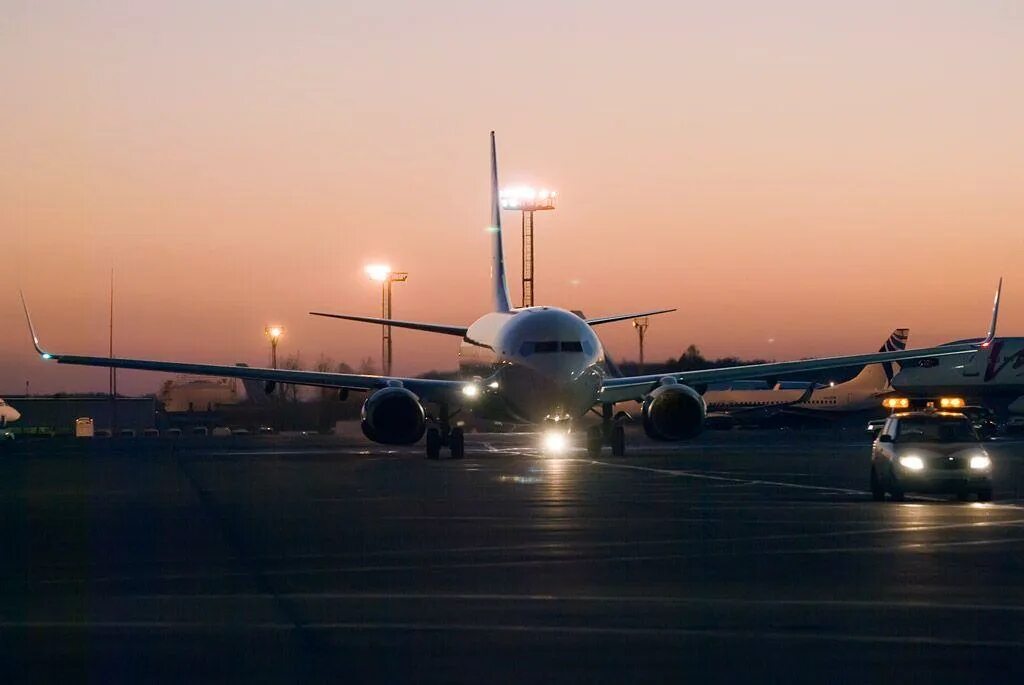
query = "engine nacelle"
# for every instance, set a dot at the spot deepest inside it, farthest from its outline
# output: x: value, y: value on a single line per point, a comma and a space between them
x: 393, y: 416
x: 673, y: 411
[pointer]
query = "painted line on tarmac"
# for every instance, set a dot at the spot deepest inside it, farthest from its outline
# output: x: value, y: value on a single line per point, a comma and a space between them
x: 894, y: 605
x: 667, y: 632
x: 560, y: 561
x: 679, y: 473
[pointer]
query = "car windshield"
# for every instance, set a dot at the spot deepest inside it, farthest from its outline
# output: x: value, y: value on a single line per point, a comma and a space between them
x: 936, y: 430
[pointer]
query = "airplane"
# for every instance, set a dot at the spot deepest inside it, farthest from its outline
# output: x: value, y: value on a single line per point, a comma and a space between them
x: 993, y: 376
x: 539, y: 365
x: 860, y: 392
x: 8, y: 414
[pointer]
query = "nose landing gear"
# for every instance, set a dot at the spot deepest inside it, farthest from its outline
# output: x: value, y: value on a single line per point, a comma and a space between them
x: 444, y: 435
x: 612, y: 432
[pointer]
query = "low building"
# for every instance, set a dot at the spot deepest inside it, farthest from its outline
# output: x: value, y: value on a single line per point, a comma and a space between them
x: 57, y: 413
x: 198, y: 394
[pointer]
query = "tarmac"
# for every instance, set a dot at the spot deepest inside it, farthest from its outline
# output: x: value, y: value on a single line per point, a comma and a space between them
x: 740, y: 557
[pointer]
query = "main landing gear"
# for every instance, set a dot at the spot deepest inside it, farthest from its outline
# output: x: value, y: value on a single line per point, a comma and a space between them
x: 612, y: 432
x: 443, y: 435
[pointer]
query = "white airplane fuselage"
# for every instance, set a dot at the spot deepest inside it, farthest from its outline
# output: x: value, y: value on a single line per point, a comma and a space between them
x: 536, y: 365
x: 8, y: 414
x: 997, y: 369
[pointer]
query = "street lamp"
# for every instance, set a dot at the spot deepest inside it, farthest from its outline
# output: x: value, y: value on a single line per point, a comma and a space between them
x: 383, y: 274
x: 274, y: 334
x: 527, y: 200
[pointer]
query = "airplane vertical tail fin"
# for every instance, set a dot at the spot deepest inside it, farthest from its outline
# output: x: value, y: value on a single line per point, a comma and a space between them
x: 879, y: 376
x: 499, y: 285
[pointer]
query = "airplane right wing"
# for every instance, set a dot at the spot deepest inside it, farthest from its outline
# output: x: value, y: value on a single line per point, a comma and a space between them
x: 444, y: 329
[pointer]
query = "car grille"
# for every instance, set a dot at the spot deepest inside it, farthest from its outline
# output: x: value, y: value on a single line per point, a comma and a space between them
x: 949, y: 463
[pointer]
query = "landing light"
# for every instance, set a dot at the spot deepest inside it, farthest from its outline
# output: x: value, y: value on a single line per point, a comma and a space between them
x: 471, y: 390
x: 555, y: 442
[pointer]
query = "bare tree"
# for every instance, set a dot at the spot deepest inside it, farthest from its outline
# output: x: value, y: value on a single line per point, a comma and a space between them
x: 290, y: 391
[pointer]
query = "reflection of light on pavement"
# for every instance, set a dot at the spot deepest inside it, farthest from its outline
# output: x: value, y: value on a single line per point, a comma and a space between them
x: 520, y: 480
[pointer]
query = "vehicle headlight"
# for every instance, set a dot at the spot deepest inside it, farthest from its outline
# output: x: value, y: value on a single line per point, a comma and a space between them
x: 912, y: 462
x: 980, y: 462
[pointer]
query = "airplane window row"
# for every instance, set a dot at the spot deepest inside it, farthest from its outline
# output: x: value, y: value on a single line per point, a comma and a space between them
x: 830, y: 400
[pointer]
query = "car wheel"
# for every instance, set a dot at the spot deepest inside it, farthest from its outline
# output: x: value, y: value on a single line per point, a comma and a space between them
x: 962, y: 496
x: 877, y: 491
x: 985, y: 495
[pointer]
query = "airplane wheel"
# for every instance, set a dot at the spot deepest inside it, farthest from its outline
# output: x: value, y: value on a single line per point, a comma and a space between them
x: 595, y: 441
x: 433, y: 443
x: 618, y: 441
x: 457, y: 443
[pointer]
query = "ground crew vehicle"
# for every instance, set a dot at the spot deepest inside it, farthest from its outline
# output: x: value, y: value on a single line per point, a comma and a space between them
x: 929, y: 451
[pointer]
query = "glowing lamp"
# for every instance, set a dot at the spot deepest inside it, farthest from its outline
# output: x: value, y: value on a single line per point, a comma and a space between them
x: 527, y: 199
x: 378, y: 272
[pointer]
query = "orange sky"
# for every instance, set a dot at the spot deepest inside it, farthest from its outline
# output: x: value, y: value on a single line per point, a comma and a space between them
x: 797, y: 177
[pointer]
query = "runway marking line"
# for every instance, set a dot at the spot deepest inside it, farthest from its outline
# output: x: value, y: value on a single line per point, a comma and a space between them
x: 920, y: 640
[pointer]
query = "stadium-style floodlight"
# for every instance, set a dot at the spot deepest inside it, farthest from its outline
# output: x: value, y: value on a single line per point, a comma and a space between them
x: 273, y: 333
x: 383, y: 274
x: 527, y: 200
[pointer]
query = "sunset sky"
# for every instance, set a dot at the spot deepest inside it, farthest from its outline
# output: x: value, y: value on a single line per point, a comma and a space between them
x: 798, y: 178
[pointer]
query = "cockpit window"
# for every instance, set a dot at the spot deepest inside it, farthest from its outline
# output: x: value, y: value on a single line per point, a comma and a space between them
x: 548, y: 346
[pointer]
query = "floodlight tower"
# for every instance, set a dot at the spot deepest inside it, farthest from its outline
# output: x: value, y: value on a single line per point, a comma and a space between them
x: 383, y: 274
x: 527, y: 200
x: 641, y: 325
x: 273, y: 333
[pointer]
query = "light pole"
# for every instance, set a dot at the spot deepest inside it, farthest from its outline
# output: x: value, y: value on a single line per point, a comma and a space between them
x: 274, y: 334
x: 527, y: 200
x: 383, y: 274
x: 641, y: 325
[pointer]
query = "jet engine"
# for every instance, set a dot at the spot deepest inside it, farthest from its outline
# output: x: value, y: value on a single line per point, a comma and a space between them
x: 393, y: 416
x: 673, y: 411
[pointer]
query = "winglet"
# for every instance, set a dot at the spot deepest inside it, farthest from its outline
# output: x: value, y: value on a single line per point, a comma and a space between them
x: 32, y: 330
x: 995, y: 317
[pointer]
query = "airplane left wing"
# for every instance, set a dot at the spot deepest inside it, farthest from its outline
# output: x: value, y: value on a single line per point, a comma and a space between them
x: 428, y: 390
x: 636, y: 387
